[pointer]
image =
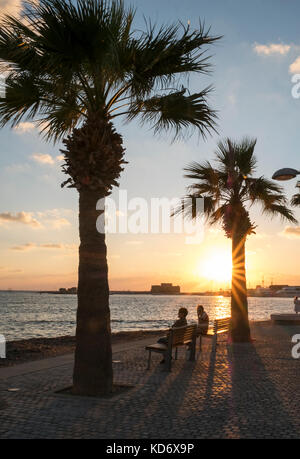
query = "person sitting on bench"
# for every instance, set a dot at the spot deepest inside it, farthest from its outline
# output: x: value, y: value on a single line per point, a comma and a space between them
x: 180, y: 322
x: 297, y: 305
x: 203, y: 320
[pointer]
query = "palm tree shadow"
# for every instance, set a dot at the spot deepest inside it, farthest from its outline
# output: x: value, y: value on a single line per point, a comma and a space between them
x: 165, y: 393
x: 243, y: 401
x: 214, y: 407
x: 255, y: 403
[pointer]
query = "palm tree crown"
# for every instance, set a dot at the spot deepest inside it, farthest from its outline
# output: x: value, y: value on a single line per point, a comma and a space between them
x: 296, y: 200
x: 73, y: 64
x: 67, y: 60
x: 229, y: 189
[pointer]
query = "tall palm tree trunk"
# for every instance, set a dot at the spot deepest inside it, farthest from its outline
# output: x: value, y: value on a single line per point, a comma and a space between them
x: 93, y: 356
x: 240, y: 329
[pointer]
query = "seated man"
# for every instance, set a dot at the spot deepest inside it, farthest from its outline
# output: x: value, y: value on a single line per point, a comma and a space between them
x: 180, y: 322
x: 203, y: 320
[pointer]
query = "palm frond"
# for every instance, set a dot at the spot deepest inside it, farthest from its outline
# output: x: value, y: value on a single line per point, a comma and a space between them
x: 160, y: 56
x: 22, y: 99
x: 237, y: 156
x: 86, y: 33
x: 176, y: 111
x: 207, y: 179
x: 194, y: 206
x: 219, y: 214
x: 280, y: 210
x: 245, y: 159
x: 296, y: 200
x: 203, y: 172
x: 60, y: 121
x: 263, y: 190
x: 27, y: 98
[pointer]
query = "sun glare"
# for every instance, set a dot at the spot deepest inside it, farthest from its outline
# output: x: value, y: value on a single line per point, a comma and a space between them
x: 217, y: 267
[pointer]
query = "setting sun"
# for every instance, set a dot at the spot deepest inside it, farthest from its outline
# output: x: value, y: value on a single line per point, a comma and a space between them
x: 217, y: 267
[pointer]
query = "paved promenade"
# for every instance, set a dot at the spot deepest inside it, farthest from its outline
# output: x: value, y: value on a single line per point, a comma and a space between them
x: 242, y: 391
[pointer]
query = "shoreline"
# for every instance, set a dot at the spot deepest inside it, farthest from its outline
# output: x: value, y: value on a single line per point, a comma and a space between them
x: 31, y: 349
x: 28, y: 350
x: 146, y: 292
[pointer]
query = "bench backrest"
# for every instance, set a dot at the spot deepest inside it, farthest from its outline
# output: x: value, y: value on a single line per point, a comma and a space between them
x: 222, y: 324
x: 182, y: 335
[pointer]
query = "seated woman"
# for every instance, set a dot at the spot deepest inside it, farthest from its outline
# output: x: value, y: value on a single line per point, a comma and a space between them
x: 203, y: 320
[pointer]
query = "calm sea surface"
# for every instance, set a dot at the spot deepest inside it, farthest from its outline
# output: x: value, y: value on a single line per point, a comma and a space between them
x: 30, y: 315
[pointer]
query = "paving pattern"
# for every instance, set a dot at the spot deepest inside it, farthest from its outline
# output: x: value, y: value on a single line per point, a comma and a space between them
x: 241, y: 391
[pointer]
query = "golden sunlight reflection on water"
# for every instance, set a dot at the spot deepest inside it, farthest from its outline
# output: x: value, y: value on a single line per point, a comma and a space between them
x: 222, y: 307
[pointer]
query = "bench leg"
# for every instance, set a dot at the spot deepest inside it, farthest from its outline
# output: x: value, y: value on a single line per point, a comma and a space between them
x: 149, y: 360
x: 168, y: 360
x: 200, y: 342
x: 193, y: 350
x: 176, y: 353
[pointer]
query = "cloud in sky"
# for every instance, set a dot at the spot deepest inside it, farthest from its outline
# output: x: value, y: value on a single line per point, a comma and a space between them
x: 28, y: 126
x: 24, y: 247
x: 55, y: 217
x: 295, y: 66
x: 43, y: 158
x: 46, y: 159
x: 291, y: 232
x: 59, y: 223
x: 10, y: 6
x: 53, y: 246
x: 272, y: 49
x: 6, y: 270
x: 24, y: 218
x: 24, y: 127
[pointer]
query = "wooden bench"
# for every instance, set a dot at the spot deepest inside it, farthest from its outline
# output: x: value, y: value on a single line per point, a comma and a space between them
x: 220, y: 326
x: 180, y: 336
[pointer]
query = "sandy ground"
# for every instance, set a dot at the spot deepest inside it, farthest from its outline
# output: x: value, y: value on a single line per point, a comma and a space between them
x: 39, y: 348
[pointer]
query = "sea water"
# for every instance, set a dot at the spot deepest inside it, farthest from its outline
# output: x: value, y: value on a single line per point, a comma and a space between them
x: 33, y: 315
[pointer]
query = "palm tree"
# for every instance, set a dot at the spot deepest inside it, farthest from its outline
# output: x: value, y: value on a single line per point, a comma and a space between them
x: 74, y: 67
x: 229, y: 190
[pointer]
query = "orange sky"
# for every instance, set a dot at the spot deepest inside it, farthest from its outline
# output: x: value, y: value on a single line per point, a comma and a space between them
x: 137, y: 261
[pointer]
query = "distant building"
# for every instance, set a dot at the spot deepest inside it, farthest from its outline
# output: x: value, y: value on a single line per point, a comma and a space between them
x: 68, y: 290
x: 289, y: 292
x: 275, y: 288
x: 165, y: 289
x: 262, y: 291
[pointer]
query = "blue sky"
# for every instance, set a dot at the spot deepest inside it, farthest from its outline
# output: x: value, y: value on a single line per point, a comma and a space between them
x: 252, y: 78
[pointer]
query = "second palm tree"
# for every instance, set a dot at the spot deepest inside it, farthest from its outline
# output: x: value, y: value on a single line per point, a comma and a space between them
x: 228, y: 190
